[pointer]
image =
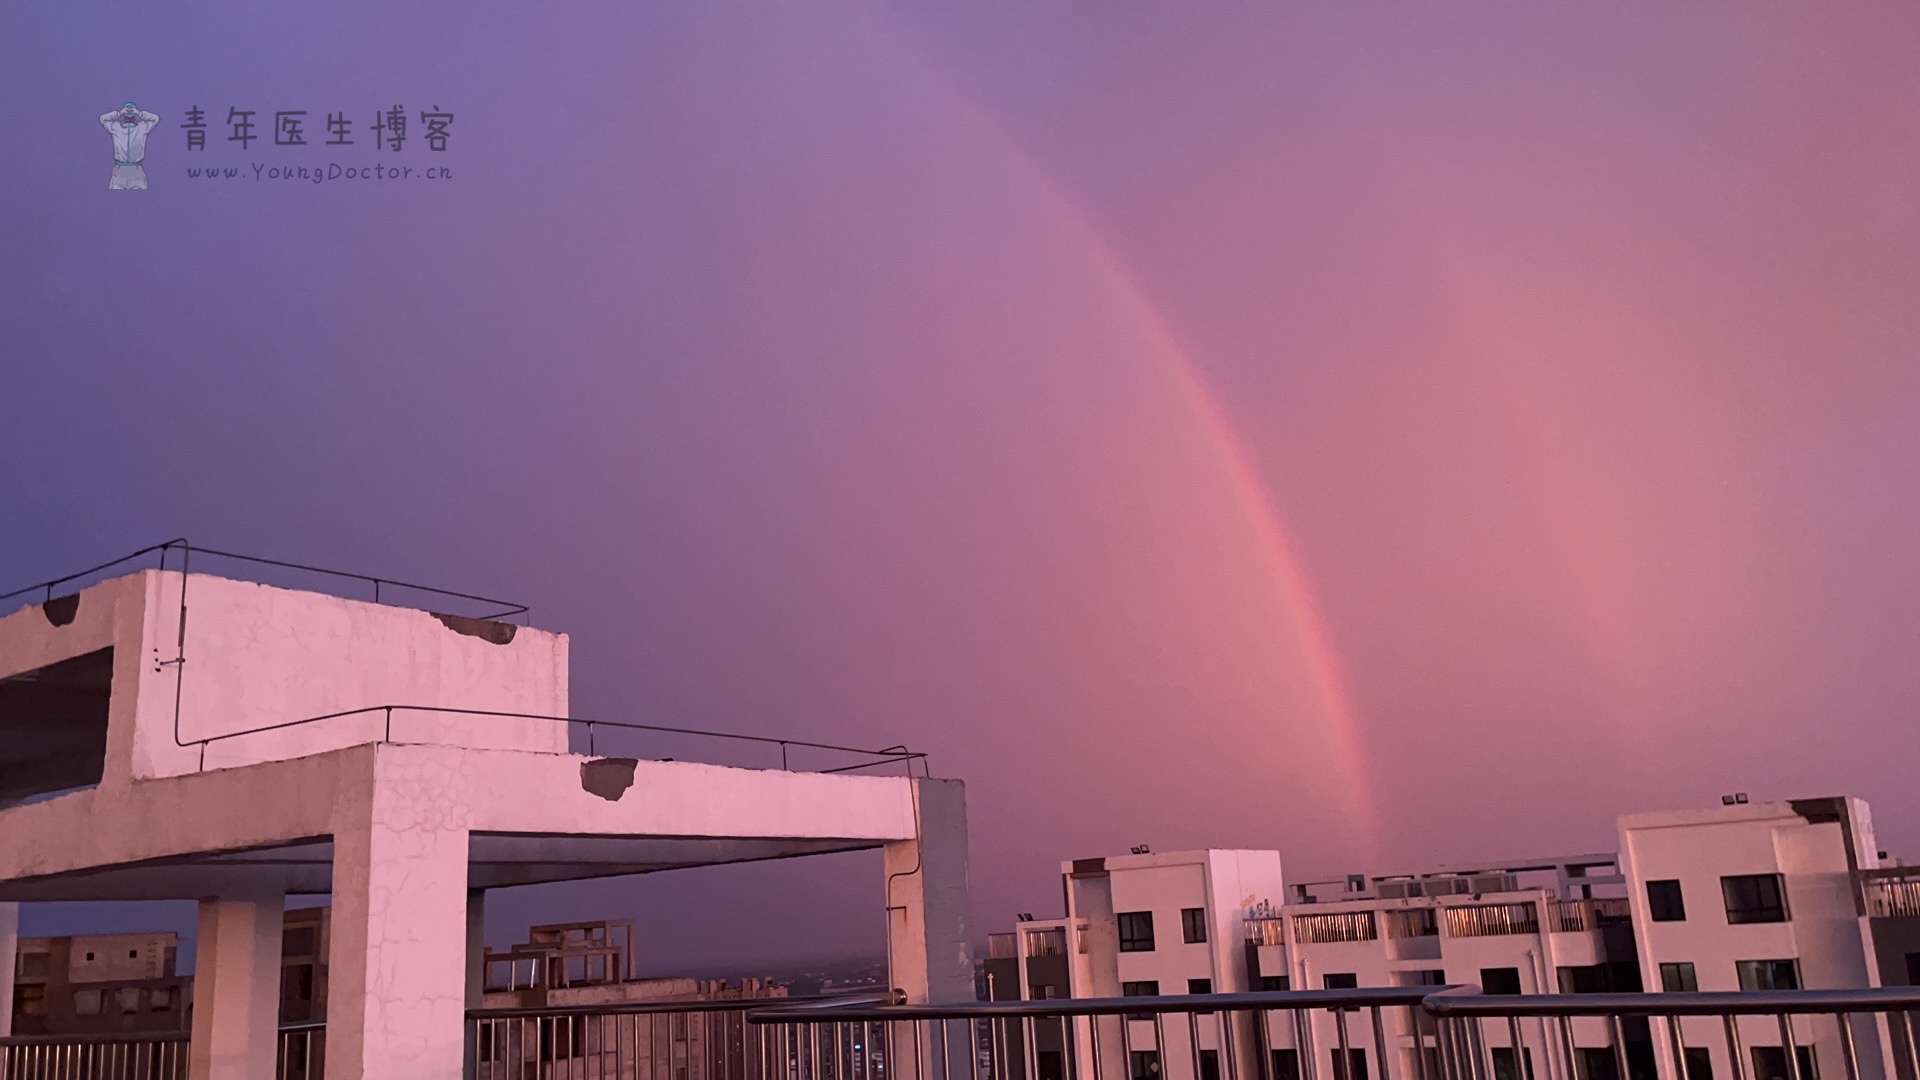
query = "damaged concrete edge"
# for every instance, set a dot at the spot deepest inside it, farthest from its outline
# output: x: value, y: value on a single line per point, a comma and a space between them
x: 495, y: 633
x: 608, y: 778
x: 61, y: 609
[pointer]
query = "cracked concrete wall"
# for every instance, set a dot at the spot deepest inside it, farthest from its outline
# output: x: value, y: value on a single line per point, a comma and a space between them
x: 257, y: 655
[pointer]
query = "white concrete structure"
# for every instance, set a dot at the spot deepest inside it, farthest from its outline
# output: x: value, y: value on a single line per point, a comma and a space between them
x: 153, y: 755
x: 1757, y: 896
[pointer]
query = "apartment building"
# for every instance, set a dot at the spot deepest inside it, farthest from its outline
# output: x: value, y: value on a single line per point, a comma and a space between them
x: 1743, y: 896
x: 99, y: 984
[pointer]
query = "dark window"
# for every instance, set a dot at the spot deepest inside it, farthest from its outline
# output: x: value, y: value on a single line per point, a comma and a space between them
x: 1199, y: 986
x: 1499, y: 980
x: 1624, y: 976
x: 1769, y: 1063
x: 1422, y: 977
x: 1664, y: 902
x: 1769, y: 974
x: 33, y: 965
x: 1136, y: 931
x: 1145, y: 988
x: 1286, y: 1065
x: 1596, y: 1063
x: 1699, y: 1063
x: 1590, y: 979
x: 89, y: 956
x: 1275, y: 983
x: 30, y: 1000
x: 1503, y: 1064
x: 133, y: 954
x: 1146, y: 1064
x: 1340, y: 981
x: 1353, y: 1068
x: 299, y: 941
x: 1209, y: 1065
x: 1913, y: 969
x: 1678, y: 978
x: 1193, y: 925
x: 1754, y: 898
x: 1053, y: 1065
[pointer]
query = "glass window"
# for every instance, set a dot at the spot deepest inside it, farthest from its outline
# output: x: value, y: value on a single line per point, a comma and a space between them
x: 1136, y: 931
x: 1145, y: 1065
x: 1678, y: 978
x: 1199, y: 986
x: 1664, y: 902
x: 1499, y: 980
x: 1770, y: 1063
x: 1754, y: 898
x: 1588, y: 979
x: 1503, y: 1064
x: 1144, y: 988
x: 1354, y: 1067
x: 1193, y: 925
x: 1275, y: 983
x: 1699, y: 1063
x: 1340, y: 981
x: 1769, y: 975
x: 1286, y: 1065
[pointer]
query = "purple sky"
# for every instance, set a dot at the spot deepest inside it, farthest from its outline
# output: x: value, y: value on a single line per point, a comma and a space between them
x: 1093, y: 396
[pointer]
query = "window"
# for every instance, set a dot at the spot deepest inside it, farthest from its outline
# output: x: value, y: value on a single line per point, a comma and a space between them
x: 30, y: 1000
x: 1499, y: 980
x: 1589, y: 979
x: 1596, y: 1063
x: 1754, y: 898
x: 1199, y: 986
x: 1286, y: 1065
x: 1193, y: 925
x: 1340, y: 981
x: 33, y: 965
x: 1136, y: 932
x: 299, y: 940
x: 1421, y: 977
x: 1144, y: 988
x: 1913, y: 969
x: 1699, y: 1063
x: 1145, y: 1064
x: 1209, y: 1065
x: 129, y: 999
x: 1770, y: 1063
x: 1275, y: 983
x: 1678, y: 978
x: 86, y: 1002
x: 162, y: 999
x: 1353, y: 1068
x: 1503, y: 1064
x: 1769, y: 974
x: 1664, y: 902
x: 133, y: 954
x: 89, y: 956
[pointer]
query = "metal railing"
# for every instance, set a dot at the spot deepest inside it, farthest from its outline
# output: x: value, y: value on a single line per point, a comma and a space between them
x: 1574, y: 916
x: 1891, y: 897
x: 1335, y: 926
x: 643, y: 1040
x: 147, y: 1056
x: 1413, y: 923
x: 161, y: 1055
x: 1489, y: 920
x: 376, y: 722
x: 159, y: 554
x: 1415, y: 1033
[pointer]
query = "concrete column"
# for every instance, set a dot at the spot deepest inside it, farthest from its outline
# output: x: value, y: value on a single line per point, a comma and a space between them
x: 476, y: 966
x: 397, y: 967
x: 929, y: 952
x: 9, y: 962
x: 236, y: 987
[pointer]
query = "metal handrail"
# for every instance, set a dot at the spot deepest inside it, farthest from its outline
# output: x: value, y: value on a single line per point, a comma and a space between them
x: 1366, y: 997
x: 889, y: 755
x: 1469, y: 1002
x: 646, y: 1008
x: 188, y: 550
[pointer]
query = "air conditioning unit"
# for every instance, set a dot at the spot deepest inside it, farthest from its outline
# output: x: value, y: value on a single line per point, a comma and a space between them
x: 1495, y: 883
x: 1397, y: 890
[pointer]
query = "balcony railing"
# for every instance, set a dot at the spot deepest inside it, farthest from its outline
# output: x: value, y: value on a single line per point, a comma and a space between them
x: 1268, y: 931
x: 1412, y: 923
x: 1335, y: 926
x: 1576, y: 916
x: 162, y: 1055
x: 1490, y: 920
x: 1049, y: 942
x: 1003, y: 947
x: 1891, y: 897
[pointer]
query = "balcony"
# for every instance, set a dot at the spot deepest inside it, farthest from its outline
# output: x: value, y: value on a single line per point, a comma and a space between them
x: 1892, y: 893
x: 1492, y: 920
x: 1413, y: 923
x: 1335, y: 927
x: 1579, y: 916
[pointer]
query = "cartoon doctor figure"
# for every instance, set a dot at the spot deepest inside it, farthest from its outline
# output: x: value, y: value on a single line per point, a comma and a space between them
x: 129, y: 127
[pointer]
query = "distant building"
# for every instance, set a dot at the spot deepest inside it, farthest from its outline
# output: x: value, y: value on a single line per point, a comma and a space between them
x: 99, y: 984
x: 1744, y: 896
x: 584, y: 965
